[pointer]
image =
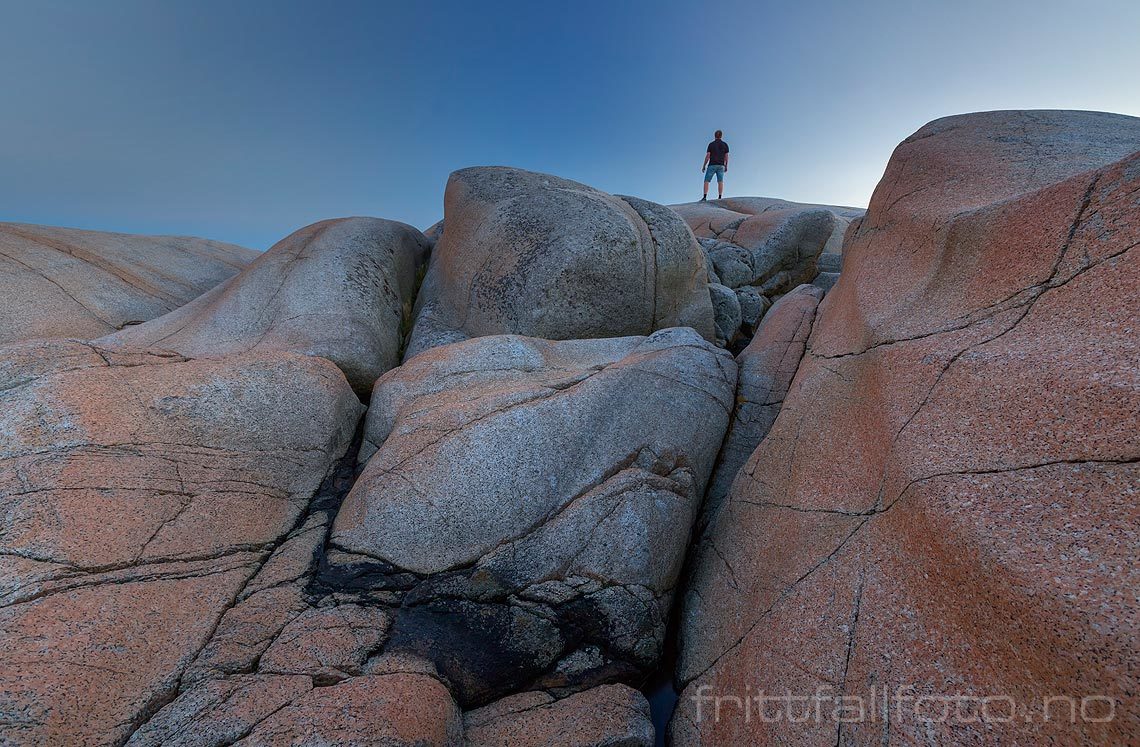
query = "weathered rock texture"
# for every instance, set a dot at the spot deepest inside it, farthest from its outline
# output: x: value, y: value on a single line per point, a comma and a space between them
x: 339, y: 289
x: 531, y: 502
x: 390, y: 709
x: 763, y: 247
x: 63, y: 282
x: 947, y: 501
x: 605, y: 716
x: 140, y: 493
x: 766, y: 368
x: 532, y: 254
x: 744, y: 218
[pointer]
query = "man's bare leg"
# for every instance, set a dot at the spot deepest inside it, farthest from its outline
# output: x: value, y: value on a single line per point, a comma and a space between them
x: 706, y: 189
x: 719, y: 189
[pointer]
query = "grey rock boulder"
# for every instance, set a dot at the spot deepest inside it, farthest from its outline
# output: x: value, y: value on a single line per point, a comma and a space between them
x: 825, y: 281
x: 726, y: 310
x: 65, y: 282
x: 733, y: 264
x: 533, y: 254
x: 790, y: 252
x: 772, y: 244
x: 532, y: 500
x: 725, y: 218
x: 753, y: 306
x: 434, y: 231
x: 339, y: 289
x: 830, y: 262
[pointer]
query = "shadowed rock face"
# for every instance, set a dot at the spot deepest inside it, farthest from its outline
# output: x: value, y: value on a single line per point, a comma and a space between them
x: 63, y: 282
x: 766, y: 368
x: 141, y: 491
x: 338, y: 289
x: 961, y: 518
x: 532, y: 254
x: 535, y: 499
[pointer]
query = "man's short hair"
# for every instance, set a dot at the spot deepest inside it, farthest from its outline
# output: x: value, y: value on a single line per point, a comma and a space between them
x: 718, y: 134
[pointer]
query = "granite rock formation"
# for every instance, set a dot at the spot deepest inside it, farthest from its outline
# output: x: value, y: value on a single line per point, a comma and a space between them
x: 340, y: 289
x: 921, y: 485
x: 764, y: 247
x: 536, y: 255
x: 548, y: 488
x: 64, y: 282
x: 961, y: 519
x: 141, y: 491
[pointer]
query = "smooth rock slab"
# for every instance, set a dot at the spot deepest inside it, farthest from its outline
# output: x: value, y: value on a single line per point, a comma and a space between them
x: 946, y: 502
x: 339, y: 289
x: 540, y: 492
x: 533, y: 254
x: 64, y: 282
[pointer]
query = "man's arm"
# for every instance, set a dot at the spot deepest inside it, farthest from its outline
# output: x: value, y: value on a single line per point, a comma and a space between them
x: 726, y: 162
x: 705, y: 165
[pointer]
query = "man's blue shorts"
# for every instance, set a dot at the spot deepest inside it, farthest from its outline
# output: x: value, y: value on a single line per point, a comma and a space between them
x: 717, y: 170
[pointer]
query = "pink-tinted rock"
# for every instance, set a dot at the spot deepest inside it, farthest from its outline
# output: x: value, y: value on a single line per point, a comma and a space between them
x: 141, y: 492
x: 220, y: 712
x: 245, y: 631
x: 82, y: 664
x: 390, y: 710
x: 64, y: 282
x: 604, y: 716
x: 405, y: 705
x: 329, y: 642
x: 946, y: 504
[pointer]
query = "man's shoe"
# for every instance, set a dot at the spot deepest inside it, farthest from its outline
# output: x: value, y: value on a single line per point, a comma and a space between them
x: 704, y: 198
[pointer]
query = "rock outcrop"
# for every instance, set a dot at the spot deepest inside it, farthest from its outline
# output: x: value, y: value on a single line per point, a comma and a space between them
x: 744, y: 218
x: 946, y: 504
x: 762, y: 248
x: 340, y: 289
x: 765, y: 371
x: 64, y: 282
x: 605, y: 716
x: 904, y: 514
x: 389, y: 708
x: 536, y: 255
x: 141, y: 491
x: 531, y: 501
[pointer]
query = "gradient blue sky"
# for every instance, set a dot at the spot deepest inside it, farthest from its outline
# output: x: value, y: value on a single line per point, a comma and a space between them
x: 244, y: 120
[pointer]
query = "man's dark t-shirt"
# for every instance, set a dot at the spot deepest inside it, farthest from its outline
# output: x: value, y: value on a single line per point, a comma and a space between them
x: 718, y: 149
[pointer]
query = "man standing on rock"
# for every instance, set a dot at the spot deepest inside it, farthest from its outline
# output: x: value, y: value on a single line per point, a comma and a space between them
x: 716, y: 162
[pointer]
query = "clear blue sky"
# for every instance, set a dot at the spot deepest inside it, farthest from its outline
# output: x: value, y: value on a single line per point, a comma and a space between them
x: 244, y: 120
